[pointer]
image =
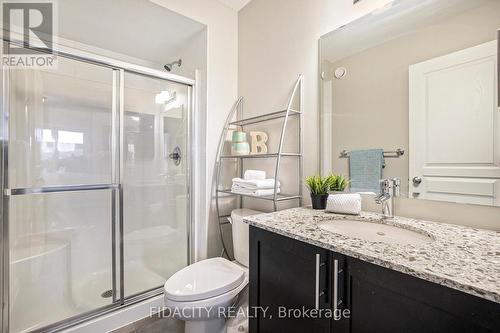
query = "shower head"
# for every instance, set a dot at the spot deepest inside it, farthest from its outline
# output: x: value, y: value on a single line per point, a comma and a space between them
x: 170, y: 65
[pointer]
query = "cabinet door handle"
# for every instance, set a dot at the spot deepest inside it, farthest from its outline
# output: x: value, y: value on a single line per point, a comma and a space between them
x: 498, y: 68
x: 316, y: 292
x: 335, y: 284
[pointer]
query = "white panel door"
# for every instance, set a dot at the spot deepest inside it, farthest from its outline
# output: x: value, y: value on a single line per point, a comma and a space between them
x: 454, y: 127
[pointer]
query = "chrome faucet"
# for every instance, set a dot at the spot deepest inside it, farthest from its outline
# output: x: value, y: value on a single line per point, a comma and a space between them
x: 390, y: 189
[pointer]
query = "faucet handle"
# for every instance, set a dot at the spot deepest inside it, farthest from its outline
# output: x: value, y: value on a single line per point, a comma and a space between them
x: 386, y: 185
x: 396, y: 183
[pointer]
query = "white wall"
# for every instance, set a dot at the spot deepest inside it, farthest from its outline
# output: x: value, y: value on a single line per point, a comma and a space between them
x: 222, y: 73
x: 279, y: 39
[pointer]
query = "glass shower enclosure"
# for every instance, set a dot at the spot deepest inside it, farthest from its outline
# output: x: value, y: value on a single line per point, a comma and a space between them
x: 95, y: 169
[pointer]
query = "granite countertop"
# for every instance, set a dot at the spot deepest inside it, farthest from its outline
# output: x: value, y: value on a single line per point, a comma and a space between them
x: 461, y: 258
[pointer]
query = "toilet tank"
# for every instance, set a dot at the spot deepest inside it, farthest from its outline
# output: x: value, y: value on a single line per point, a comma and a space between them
x: 240, y: 234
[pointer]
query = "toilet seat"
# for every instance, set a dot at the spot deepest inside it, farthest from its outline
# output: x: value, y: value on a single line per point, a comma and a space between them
x: 215, y: 301
x: 205, y: 279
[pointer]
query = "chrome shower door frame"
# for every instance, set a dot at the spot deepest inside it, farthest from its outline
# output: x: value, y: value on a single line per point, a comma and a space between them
x: 4, y: 229
x: 119, y: 68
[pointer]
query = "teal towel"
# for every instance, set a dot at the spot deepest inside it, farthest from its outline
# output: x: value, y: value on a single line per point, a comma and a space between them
x: 365, y: 168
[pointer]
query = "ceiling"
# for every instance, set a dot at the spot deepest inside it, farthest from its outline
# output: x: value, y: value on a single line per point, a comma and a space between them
x: 383, y: 25
x: 137, y: 28
x: 235, y: 4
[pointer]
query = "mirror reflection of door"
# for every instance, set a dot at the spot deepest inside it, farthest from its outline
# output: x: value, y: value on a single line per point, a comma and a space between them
x: 420, y: 76
x: 454, y: 127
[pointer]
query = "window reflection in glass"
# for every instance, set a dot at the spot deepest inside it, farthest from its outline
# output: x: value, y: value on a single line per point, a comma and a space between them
x: 60, y: 125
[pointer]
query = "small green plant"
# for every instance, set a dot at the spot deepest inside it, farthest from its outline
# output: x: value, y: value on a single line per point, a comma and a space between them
x: 318, y: 185
x: 322, y: 185
x: 338, y: 183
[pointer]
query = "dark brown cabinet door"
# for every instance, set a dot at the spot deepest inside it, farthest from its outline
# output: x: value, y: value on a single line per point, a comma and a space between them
x: 383, y: 300
x: 289, y: 279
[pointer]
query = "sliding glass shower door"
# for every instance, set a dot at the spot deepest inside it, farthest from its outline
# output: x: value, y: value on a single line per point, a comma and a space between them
x: 154, y: 181
x: 95, y: 189
x: 59, y: 226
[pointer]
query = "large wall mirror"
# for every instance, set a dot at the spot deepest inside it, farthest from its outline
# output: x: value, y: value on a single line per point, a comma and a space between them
x: 419, y: 80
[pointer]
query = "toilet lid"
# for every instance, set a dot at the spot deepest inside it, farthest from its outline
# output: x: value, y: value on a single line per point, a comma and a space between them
x: 204, y: 279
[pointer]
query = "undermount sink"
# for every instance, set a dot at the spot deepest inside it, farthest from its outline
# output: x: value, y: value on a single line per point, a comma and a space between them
x: 375, y: 232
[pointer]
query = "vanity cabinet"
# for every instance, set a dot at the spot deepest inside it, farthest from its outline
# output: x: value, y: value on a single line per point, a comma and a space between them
x: 289, y: 277
x: 292, y: 275
x: 383, y: 300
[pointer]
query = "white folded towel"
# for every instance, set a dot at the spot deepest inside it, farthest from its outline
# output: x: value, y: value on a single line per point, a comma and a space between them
x: 257, y: 193
x: 254, y: 174
x: 348, y: 203
x: 255, y: 184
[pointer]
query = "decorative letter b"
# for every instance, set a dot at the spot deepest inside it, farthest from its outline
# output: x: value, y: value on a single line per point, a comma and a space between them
x: 259, y: 140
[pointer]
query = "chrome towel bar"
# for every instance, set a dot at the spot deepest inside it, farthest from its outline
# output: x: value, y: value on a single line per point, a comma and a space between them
x: 389, y: 154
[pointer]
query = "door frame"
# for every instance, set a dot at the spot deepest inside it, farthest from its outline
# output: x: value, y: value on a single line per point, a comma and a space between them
x: 118, y: 67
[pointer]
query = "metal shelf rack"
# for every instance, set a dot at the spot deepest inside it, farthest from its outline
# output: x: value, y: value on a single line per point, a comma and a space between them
x: 297, y: 96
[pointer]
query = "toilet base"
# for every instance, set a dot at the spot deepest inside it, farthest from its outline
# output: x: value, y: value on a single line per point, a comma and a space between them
x: 206, y: 326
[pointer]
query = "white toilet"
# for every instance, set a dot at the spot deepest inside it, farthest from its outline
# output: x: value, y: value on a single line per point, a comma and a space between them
x: 200, y: 293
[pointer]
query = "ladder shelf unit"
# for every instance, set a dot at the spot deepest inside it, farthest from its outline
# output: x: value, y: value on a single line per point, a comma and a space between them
x: 297, y: 95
